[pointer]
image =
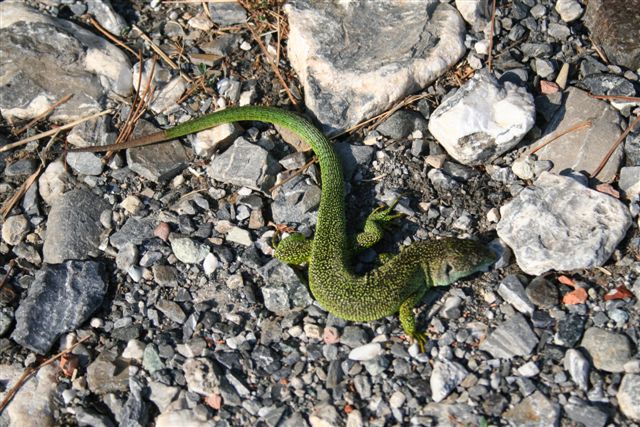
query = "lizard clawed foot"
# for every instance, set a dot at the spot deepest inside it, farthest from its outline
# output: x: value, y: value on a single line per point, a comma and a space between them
x: 384, y: 214
x: 419, y: 338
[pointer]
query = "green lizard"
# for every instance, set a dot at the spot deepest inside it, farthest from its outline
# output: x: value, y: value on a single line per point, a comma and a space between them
x: 397, y: 285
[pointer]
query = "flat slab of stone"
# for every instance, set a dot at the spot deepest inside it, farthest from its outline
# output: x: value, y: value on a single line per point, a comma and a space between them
x: 614, y: 27
x: 608, y: 350
x: 482, y: 119
x: 582, y: 150
x: 73, y: 226
x: 534, y: 411
x: 559, y: 224
x: 350, y: 72
x: 45, y: 59
x: 512, y: 338
x: 59, y: 300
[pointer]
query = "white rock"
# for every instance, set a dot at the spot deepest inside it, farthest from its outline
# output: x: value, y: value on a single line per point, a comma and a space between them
x: 131, y: 204
x: 134, y: 350
x: 475, y: 12
x: 629, y: 396
x: 33, y: 405
x: 559, y: 224
x: 529, y: 369
x: 184, y: 418
x: 482, y: 119
x: 205, y: 143
x: 162, y: 395
x: 240, y: 236
x: 366, y: 352
x: 210, y: 264
x: 200, y: 22
x: 52, y: 182
x: 350, y: 72
x: 445, y: 378
x: 166, y: 99
x: 14, y: 229
x: 569, y: 10
x: 630, y: 180
x: 578, y: 366
x: 104, y: 13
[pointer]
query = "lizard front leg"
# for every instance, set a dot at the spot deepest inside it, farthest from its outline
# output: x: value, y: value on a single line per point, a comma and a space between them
x: 294, y: 249
x: 408, y: 318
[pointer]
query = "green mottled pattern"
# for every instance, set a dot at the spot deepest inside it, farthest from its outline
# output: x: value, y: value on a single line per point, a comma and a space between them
x: 399, y: 283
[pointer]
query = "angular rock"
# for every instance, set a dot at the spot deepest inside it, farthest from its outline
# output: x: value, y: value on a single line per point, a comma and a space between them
x: 73, y: 226
x: 296, y: 202
x: 445, y: 378
x: 156, y: 162
x: 52, y: 182
x: 60, y: 299
x: 582, y: 149
x: 350, y: 72
x: 443, y: 413
x: 630, y: 181
x: 283, y: 292
x: 628, y: 396
x: 614, y: 27
x: 513, y: 292
x: 202, y: 375
x: 185, y: 417
x: 206, y: 143
x: 559, y: 224
x: 608, y: 350
x: 351, y: 156
x: 402, y: 123
x: 47, y: 58
x: 14, y: 229
x: 542, y: 292
x: 475, y: 12
x: 134, y: 231
x: 585, y: 414
x: 534, y: 411
x: 106, y: 16
x: 227, y: 13
x: 512, y: 338
x: 108, y: 373
x: 569, y: 10
x: 33, y: 405
x: 570, y: 330
x: 578, y: 367
x: 482, y: 119
x: 245, y: 164
x: 166, y: 99
x: 85, y: 163
x: 92, y: 132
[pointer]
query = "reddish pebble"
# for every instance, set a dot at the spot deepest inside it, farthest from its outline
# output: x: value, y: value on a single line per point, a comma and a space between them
x: 547, y: 87
x: 330, y: 335
x: 162, y: 231
x: 214, y: 401
x: 69, y: 363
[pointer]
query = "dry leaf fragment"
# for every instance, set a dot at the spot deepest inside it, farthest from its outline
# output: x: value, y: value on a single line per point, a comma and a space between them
x: 214, y: 400
x: 68, y: 364
x: 577, y: 296
x: 621, y: 292
x: 567, y: 281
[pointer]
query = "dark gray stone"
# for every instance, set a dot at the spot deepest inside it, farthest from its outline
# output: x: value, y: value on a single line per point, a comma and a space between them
x: 59, y: 300
x: 585, y: 414
x: 570, y: 330
x: 512, y: 338
x: 73, y: 226
x: 607, y: 84
x: 283, y: 292
x: 353, y: 156
x: 542, y: 292
x: 134, y: 231
x: 402, y: 123
x: 296, y: 202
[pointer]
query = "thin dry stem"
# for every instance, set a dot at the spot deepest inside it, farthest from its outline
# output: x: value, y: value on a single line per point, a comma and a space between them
x: 13, y: 200
x: 110, y: 36
x: 615, y: 145
x: 599, y: 51
x: 558, y: 134
x: 616, y: 97
x: 43, y: 115
x: 491, y: 29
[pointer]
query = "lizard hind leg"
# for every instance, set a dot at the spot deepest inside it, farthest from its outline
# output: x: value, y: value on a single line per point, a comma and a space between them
x: 294, y: 249
x: 375, y: 224
x: 407, y: 316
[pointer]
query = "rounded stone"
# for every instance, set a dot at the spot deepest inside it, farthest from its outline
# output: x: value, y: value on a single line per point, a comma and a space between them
x: 608, y: 350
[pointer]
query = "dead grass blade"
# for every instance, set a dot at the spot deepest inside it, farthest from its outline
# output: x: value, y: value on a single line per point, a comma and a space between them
x: 52, y: 131
x: 43, y: 115
x: 13, y: 200
x: 599, y: 51
x: 581, y: 125
x: 30, y: 371
x: 491, y: 30
x: 616, y: 97
x: 615, y: 145
x: 110, y: 36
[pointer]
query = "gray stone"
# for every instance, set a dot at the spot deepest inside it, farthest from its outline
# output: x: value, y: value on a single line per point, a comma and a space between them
x: 352, y: 156
x: 51, y: 183
x: 283, y: 292
x: 227, y: 13
x: 585, y: 414
x: 443, y: 414
x: 33, y: 405
x: 85, y: 163
x: 534, y: 411
x: 630, y: 181
x: 89, y: 417
x: 482, y: 119
x: 73, y: 226
x: 245, y: 164
x: 614, y: 27
x: 445, y: 378
x: 151, y: 359
x: 135, y: 412
x: 156, y: 162
x: 542, y: 292
x: 172, y: 310
x: 135, y: 231
x: 207, y: 142
x: 560, y: 224
x: 14, y: 229
x: 578, y: 367
x: 202, y: 375
x: 402, y: 123
x: 512, y: 338
x: 162, y: 395
x: 108, y: 373
x: 513, y: 292
x: 350, y: 72
x: 296, y: 202
x: 106, y: 16
x: 569, y: 330
x: 609, y: 351
x: 21, y: 168
x: 607, y: 84
x: 188, y: 250
x: 59, y: 300
x: 48, y: 58
x: 353, y: 336
x: 628, y: 396
x: 475, y: 12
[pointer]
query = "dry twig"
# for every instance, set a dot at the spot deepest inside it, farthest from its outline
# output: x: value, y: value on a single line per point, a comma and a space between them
x: 615, y: 145
x: 110, y: 36
x: 42, y: 115
x: 491, y: 29
x: 558, y: 134
x: 616, y: 97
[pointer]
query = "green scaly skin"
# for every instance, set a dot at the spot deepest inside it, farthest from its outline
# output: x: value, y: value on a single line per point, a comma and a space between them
x: 397, y: 285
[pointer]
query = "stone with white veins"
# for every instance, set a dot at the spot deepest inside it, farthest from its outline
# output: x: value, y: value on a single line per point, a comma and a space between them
x: 445, y: 378
x: 46, y: 58
x: 73, y: 227
x: 60, y: 299
x: 350, y: 72
x: 482, y: 119
x: 559, y: 224
x: 513, y: 292
x: 582, y: 149
x: 578, y: 366
x: 569, y: 10
x: 512, y: 338
x: 629, y: 397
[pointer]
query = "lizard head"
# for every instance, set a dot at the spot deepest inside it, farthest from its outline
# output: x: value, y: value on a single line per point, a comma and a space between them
x: 457, y: 258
